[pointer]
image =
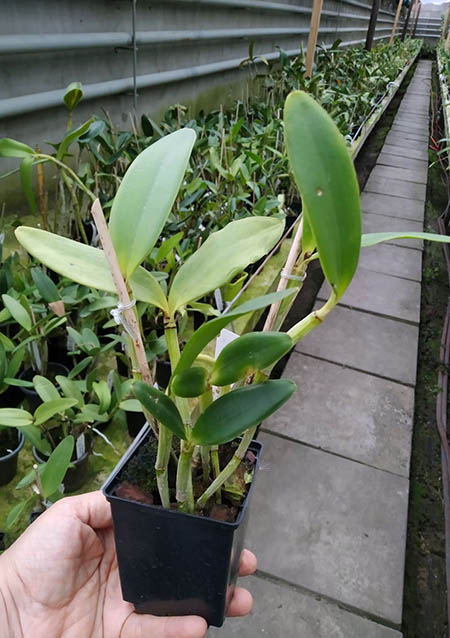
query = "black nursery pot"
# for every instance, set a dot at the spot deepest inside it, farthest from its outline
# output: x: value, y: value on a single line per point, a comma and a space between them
x: 8, y: 463
x: 75, y: 476
x: 171, y: 563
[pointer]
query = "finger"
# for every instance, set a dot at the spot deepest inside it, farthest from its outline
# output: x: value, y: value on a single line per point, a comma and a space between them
x: 248, y: 563
x: 139, y: 625
x: 91, y: 508
x: 241, y: 603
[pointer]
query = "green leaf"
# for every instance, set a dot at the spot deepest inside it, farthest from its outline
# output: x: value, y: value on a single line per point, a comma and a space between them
x: 56, y: 466
x: 14, y: 417
x: 104, y: 395
x: 3, y: 363
x: 30, y: 476
x: 326, y: 178
x: 72, y: 95
x: 230, y: 415
x: 161, y: 407
x: 69, y: 258
x: 47, y: 289
x: 45, y: 388
x: 16, y: 512
x: 223, y: 255
x: 130, y: 405
x: 167, y: 246
x: 49, y: 409
x: 71, y: 137
x: 371, y: 239
x: 18, y: 312
x: 14, y: 364
x: 80, y: 367
x: 249, y: 354
x: 191, y: 382
x: 209, y: 330
x: 26, y: 178
x: 19, y: 383
x: 145, y: 197
x: 34, y: 435
x: 12, y: 148
x: 70, y: 389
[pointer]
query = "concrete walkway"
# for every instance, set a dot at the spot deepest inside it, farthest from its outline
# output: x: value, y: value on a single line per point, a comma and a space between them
x: 329, y: 513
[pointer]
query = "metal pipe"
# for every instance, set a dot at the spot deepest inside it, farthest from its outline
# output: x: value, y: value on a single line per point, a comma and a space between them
x: 46, y: 43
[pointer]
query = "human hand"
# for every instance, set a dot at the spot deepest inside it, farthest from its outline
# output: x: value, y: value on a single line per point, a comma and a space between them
x: 61, y: 578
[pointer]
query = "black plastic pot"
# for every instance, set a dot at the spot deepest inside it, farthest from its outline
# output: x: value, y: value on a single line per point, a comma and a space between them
x: 75, y: 476
x: 162, y: 374
x: 175, y: 564
x: 135, y: 422
x: 8, y: 463
x: 32, y: 397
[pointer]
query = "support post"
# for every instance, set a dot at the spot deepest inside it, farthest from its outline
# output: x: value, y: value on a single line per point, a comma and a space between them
x: 447, y: 42
x: 413, y: 18
x: 405, y: 26
x: 312, y: 39
x: 372, y: 24
x: 445, y: 25
x: 417, y: 19
x: 394, y: 26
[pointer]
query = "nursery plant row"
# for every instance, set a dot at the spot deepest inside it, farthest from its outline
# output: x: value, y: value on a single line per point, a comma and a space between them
x: 56, y: 333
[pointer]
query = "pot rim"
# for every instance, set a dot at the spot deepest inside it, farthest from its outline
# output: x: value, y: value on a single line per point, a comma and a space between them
x: 108, y: 484
x: 16, y: 449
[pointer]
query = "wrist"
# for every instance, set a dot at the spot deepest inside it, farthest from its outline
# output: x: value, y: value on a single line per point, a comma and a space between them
x: 9, y: 617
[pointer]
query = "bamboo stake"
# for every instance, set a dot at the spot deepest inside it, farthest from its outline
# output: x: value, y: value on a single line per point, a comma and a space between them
x: 287, y: 270
x: 312, y: 39
x: 124, y: 297
x: 394, y: 26
x: 444, y: 26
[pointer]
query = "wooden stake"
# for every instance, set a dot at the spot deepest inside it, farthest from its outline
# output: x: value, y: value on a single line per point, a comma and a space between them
x: 287, y: 270
x: 413, y: 19
x: 394, y: 26
x: 417, y: 19
x: 405, y: 26
x: 444, y: 26
x: 124, y: 297
x: 312, y: 39
x: 372, y: 24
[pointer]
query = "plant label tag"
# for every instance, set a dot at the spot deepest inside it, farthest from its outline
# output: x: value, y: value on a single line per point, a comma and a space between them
x: 80, y: 446
x: 225, y: 337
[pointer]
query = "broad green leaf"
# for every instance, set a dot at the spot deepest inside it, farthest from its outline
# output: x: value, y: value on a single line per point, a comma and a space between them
x: 326, y: 178
x: 80, y: 367
x: 16, y: 512
x: 90, y: 413
x: 104, y: 395
x: 308, y: 243
x: 130, y: 405
x: 56, y: 466
x: 18, y: 312
x: 209, y: 330
x: 72, y: 95
x: 34, y: 435
x: 160, y: 406
x: 191, y: 382
x: 3, y: 363
x: 6, y: 342
x: 71, y: 137
x: 14, y: 363
x: 19, y: 383
x: 249, y: 354
x: 47, y: 289
x: 30, y: 476
x: 223, y: 255
x: 69, y: 258
x: 371, y: 239
x: 167, y: 246
x: 145, y: 197
x: 50, y: 408
x: 45, y: 388
x: 70, y: 389
x: 15, y: 417
x: 26, y: 178
x: 232, y: 414
x: 12, y: 148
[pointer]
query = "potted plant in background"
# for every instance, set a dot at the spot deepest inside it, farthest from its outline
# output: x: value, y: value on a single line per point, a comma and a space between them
x: 193, y: 469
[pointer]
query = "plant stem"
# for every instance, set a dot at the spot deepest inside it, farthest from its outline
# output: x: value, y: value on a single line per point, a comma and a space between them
x: 206, y: 461
x: 76, y: 208
x: 313, y: 320
x: 73, y: 175
x: 229, y: 469
x: 162, y: 464
x: 216, y: 469
x: 185, y: 494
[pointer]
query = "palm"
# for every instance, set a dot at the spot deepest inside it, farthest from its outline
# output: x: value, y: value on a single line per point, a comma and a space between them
x: 64, y: 570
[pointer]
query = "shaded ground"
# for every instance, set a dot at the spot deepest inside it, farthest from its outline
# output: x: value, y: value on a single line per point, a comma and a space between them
x: 424, y: 613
